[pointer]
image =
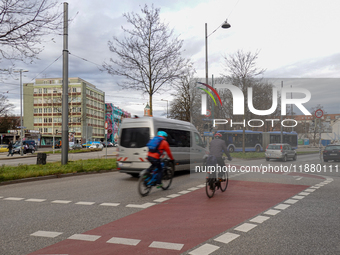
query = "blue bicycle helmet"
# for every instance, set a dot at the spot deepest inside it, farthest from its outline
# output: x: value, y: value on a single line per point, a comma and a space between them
x: 162, y: 133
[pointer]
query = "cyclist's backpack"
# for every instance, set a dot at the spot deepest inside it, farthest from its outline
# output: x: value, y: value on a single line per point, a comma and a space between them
x: 154, y: 143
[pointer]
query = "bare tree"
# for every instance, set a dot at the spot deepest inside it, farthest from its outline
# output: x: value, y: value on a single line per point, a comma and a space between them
x: 241, y: 71
x: 23, y: 25
x: 317, y: 126
x: 5, y: 106
x: 149, y: 57
x: 182, y: 104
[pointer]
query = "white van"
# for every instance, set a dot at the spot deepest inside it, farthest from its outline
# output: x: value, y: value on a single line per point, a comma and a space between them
x: 185, y: 143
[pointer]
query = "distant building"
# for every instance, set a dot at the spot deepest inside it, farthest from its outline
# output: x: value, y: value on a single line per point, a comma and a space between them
x: 147, y: 110
x: 114, y: 116
x: 43, y: 110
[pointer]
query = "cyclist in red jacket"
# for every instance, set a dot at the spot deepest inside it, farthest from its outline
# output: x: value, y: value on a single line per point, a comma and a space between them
x: 154, y: 157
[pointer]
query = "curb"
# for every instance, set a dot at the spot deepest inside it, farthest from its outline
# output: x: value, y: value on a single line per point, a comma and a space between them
x: 47, y: 177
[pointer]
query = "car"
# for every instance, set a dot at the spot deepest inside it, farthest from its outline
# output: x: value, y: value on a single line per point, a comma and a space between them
x: 96, y: 145
x: 109, y: 144
x: 281, y: 151
x: 331, y: 152
x: 86, y: 145
x: 3, y: 147
x: 75, y: 146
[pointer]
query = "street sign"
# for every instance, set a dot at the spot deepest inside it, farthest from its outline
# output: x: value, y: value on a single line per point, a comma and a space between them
x: 318, y: 113
x: 208, y: 113
x: 21, y: 127
x: 106, y: 125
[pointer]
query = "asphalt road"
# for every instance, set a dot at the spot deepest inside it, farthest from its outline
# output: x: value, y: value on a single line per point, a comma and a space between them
x: 272, y: 212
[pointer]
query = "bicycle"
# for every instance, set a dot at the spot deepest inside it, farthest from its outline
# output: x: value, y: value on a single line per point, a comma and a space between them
x: 215, y: 181
x: 148, y: 179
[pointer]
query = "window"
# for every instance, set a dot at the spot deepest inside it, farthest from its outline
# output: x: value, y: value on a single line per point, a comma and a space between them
x: 135, y: 137
x: 177, y: 138
x: 45, y: 121
x: 40, y: 91
x: 35, y: 110
x: 198, y: 140
x: 45, y: 90
x: 40, y: 110
x: 74, y: 89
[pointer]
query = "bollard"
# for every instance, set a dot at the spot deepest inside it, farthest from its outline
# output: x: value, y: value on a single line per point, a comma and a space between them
x: 41, y: 159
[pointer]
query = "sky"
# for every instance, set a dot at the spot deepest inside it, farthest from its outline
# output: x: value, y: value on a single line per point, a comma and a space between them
x: 294, y: 39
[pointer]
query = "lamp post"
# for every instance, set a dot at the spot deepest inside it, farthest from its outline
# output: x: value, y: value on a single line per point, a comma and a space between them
x: 21, y: 124
x: 225, y: 25
x: 167, y: 115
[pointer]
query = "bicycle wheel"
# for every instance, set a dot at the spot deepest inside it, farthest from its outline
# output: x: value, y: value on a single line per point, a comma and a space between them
x: 143, y: 186
x: 224, y: 182
x: 168, y: 174
x: 210, y: 187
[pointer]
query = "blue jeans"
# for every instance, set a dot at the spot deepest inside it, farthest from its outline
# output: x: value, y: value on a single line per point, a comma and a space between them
x: 156, y: 163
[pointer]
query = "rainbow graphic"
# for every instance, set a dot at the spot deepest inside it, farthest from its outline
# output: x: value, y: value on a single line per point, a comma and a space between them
x: 209, y: 93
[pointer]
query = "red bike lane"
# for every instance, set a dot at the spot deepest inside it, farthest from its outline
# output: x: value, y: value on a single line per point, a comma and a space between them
x: 184, y: 221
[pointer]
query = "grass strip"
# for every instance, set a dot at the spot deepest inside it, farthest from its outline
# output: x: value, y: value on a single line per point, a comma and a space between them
x: 9, y: 173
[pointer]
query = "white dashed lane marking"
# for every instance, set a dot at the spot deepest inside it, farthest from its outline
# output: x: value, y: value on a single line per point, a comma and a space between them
x: 126, y: 241
x: 303, y: 194
x: 162, y: 199
x: 184, y: 192
x: 165, y: 245
x: 291, y: 201
x: 35, y: 200
x: 298, y: 197
x: 110, y: 204
x: 310, y: 190
x: 83, y: 237
x: 14, y: 198
x: 46, y: 234
x: 146, y: 205
x: 259, y: 219
x: 227, y: 237
x: 245, y: 227
x: 61, y: 201
x: 281, y: 206
x: 174, y: 195
x: 85, y: 203
x: 204, y: 249
x: 272, y: 212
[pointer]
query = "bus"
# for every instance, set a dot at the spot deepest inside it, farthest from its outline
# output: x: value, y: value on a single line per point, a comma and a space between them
x: 256, y: 140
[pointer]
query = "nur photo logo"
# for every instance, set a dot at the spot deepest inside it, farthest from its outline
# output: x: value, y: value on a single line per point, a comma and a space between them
x: 238, y: 103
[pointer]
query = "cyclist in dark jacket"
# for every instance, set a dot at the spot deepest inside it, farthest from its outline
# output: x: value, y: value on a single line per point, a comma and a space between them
x: 217, y: 148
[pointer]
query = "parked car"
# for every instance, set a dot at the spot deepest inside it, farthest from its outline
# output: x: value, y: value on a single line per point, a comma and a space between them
x: 97, y: 145
x: 281, y: 151
x: 75, y: 146
x: 109, y: 144
x: 86, y: 145
x: 331, y: 152
x: 3, y: 147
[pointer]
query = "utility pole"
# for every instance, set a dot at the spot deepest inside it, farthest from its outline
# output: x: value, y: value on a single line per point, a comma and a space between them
x: 281, y: 134
x: 21, y: 123
x: 64, y: 129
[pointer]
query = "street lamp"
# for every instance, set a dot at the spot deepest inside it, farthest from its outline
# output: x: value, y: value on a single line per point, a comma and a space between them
x: 167, y: 115
x: 225, y: 25
x: 21, y: 134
